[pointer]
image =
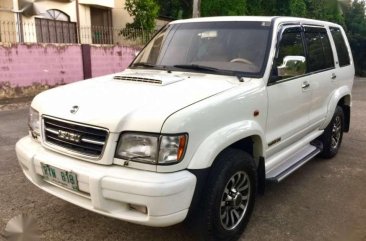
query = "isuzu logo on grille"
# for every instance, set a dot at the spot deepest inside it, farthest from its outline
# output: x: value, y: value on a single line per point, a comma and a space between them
x: 65, y: 135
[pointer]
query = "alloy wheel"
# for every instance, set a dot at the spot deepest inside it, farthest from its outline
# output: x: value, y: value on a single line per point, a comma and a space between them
x: 336, y: 132
x: 235, y: 200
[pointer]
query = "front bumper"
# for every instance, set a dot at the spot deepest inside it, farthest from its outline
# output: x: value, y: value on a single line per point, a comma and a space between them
x: 110, y: 190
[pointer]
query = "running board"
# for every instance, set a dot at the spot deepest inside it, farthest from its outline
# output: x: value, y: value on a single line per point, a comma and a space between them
x: 294, y: 162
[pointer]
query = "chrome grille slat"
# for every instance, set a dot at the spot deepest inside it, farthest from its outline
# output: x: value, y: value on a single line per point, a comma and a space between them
x: 70, y: 143
x: 70, y: 128
x: 138, y: 79
x: 52, y: 131
x: 101, y: 143
x: 87, y: 140
x: 90, y: 141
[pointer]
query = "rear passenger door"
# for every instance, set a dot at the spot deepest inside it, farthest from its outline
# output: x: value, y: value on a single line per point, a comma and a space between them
x: 342, y: 57
x: 321, y: 70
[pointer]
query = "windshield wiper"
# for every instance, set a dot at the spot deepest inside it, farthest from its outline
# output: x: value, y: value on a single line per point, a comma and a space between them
x: 144, y: 64
x: 208, y: 68
x: 197, y: 67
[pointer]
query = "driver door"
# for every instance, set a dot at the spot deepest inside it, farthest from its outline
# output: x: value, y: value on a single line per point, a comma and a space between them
x: 289, y: 93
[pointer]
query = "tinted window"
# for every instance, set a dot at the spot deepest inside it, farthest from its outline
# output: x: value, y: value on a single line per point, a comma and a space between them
x: 343, y: 56
x: 291, y: 44
x: 320, y: 54
x: 328, y: 53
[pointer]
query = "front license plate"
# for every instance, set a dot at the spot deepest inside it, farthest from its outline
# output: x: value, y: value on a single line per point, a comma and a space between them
x: 61, y: 177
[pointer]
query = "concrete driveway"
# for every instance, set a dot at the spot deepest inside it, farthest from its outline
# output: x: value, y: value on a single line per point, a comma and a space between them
x: 324, y: 200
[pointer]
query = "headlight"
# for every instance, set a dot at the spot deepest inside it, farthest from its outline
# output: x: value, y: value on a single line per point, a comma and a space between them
x: 34, y: 123
x: 152, y: 148
x: 138, y: 147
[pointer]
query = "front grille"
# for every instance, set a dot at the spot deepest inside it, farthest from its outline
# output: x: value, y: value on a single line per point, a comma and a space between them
x: 82, y: 139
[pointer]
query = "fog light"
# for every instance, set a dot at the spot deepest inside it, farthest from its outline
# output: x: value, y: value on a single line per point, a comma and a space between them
x: 139, y: 208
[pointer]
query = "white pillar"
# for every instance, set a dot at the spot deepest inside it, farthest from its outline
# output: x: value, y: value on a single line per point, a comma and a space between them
x: 15, y: 5
x: 17, y: 21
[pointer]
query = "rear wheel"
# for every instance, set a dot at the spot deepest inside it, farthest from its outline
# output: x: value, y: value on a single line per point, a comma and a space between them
x: 333, y: 134
x: 229, y: 197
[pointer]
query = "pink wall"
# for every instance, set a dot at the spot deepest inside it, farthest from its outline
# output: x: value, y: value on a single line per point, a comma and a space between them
x: 107, y: 60
x: 24, y: 65
x: 27, y: 64
x: 27, y: 69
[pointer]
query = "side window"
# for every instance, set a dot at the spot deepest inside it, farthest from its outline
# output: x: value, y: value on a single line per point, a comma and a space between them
x: 320, y: 55
x: 342, y: 51
x: 290, y: 51
x: 328, y: 53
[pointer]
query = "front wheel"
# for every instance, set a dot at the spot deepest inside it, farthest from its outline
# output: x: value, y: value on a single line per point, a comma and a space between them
x: 333, y: 134
x: 229, y: 198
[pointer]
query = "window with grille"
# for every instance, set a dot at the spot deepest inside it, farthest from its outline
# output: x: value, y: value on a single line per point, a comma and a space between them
x: 55, y: 27
x: 101, y: 29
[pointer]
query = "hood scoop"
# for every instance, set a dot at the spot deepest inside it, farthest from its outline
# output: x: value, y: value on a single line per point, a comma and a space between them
x: 138, y: 79
x: 162, y: 79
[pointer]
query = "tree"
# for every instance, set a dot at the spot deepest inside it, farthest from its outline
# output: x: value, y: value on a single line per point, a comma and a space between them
x: 355, y: 21
x: 355, y: 18
x: 254, y: 7
x: 223, y: 7
x: 196, y: 8
x: 282, y: 7
x: 268, y: 7
x: 175, y: 9
x: 328, y: 10
x: 144, y: 13
x: 298, y: 8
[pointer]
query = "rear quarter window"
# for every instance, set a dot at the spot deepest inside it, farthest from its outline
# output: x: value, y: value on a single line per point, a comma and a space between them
x: 340, y: 43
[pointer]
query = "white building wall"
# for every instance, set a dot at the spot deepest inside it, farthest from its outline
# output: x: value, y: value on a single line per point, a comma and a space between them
x: 29, y: 27
x: 119, y: 14
x: 102, y: 3
x: 119, y: 19
x: 85, y: 24
x: 69, y: 8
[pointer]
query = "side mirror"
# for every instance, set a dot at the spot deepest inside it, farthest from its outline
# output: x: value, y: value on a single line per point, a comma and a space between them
x: 292, y: 66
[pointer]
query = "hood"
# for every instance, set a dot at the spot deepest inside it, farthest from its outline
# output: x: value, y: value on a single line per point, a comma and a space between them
x: 132, y: 100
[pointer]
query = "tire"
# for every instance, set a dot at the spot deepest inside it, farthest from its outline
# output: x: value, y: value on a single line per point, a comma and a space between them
x: 231, y: 186
x: 333, y: 134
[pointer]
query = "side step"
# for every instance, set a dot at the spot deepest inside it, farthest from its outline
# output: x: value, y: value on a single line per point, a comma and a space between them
x: 294, y: 162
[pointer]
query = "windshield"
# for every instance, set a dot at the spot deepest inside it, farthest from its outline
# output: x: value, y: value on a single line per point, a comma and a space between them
x: 231, y: 47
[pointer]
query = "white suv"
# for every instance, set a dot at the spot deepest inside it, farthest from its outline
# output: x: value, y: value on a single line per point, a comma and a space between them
x: 208, y: 111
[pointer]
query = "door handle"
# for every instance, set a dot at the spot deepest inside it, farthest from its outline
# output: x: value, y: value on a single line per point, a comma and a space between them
x: 305, y: 85
x: 334, y: 76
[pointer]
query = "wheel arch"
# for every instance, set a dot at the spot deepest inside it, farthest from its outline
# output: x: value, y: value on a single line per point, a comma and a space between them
x: 253, y: 145
x: 345, y: 103
x: 340, y: 97
x: 250, y: 141
x: 247, y: 136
